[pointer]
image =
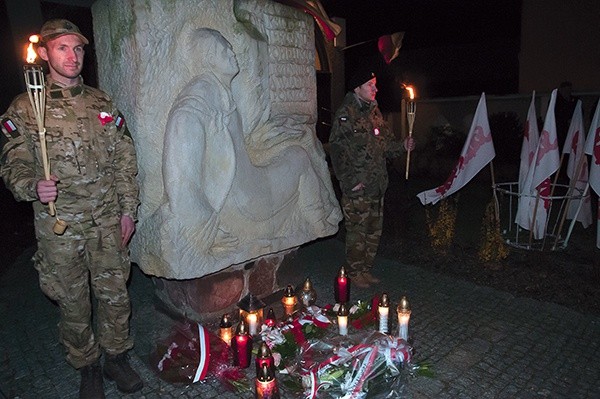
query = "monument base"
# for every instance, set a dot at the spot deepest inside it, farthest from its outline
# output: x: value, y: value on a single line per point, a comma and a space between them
x: 207, y: 298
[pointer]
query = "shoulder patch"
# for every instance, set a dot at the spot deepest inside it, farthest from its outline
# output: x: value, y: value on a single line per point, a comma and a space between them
x: 120, y: 121
x: 10, y: 128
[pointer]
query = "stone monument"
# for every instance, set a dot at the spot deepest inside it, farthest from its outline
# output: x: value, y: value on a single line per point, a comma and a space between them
x: 220, y: 97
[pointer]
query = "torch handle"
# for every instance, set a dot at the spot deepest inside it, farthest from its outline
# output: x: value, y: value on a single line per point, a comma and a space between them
x: 407, y: 161
x: 410, y: 115
x: 46, y: 163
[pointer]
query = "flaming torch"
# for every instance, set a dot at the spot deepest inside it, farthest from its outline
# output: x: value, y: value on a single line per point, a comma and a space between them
x: 36, y: 90
x: 411, y: 110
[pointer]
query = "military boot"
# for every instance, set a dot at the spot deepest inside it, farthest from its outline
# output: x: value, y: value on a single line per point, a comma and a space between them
x: 92, y: 385
x: 117, y: 369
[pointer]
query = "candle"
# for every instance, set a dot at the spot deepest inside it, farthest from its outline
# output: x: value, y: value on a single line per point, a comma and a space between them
x: 241, y: 346
x: 270, y: 321
x: 383, y: 311
x: 252, y: 320
x: 266, y: 385
x: 342, y: 318
x: 403, y: 318
x: 264, y: 358
x: 341, y: 288
x: 251, y: 311
x: 226, y: 329
x: 308, y: 295
x: 289, y: 301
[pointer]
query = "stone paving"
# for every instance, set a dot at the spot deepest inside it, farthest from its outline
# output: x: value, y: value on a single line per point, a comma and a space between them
x: 481, y: 343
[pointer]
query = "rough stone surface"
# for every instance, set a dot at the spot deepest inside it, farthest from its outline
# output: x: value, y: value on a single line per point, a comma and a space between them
x: 261, y: 279
x: 220, y: 97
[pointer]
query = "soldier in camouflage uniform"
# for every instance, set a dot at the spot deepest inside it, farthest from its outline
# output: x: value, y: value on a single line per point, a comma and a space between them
x: 93, y: 184
x: 360, y: 143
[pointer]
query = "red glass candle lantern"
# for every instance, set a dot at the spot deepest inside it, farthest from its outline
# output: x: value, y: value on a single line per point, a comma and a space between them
x: 264, y: 358
x: 341, y: 287
x: 270, y: 319
x: 266, y: 385
x: 241, y: 346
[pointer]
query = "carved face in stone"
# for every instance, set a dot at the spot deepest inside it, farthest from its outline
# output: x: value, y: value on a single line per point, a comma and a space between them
x: 214, y: 51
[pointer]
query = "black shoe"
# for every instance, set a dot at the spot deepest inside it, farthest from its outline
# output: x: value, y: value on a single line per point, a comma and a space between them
x: 92, y: 385
x: 117, y: 369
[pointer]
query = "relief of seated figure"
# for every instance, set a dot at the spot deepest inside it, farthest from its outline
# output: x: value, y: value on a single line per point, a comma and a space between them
x: 220, y: 208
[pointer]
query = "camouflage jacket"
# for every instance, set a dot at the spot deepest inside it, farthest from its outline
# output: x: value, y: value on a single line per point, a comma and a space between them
x: 360, y: 142
x: 89, y: 148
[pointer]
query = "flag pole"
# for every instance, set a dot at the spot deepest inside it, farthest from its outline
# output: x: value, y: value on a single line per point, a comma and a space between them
x: 552, y: 188
x: 575, y: 218
x: 533, y: 219
x: 572, y: 184
x: 496, y: 204
x: 410, y: 115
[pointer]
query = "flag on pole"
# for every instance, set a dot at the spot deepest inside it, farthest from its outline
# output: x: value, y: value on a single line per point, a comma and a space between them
x: 389, y: 46
x: 578, y: 163
x: 592, y: 147
x: 533, y: 200
x: 531, y: 136
x: 477, y: 152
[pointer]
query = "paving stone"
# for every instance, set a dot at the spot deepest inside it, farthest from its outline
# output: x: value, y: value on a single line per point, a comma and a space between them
x: 480, y: 343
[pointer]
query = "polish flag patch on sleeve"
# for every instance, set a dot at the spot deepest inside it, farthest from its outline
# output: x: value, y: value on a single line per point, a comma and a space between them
x: 120, y: 121
x: 10, y: 127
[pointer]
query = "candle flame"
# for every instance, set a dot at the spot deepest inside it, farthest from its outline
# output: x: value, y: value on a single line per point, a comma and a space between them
x: 31, y: 54
x: 411, y: 92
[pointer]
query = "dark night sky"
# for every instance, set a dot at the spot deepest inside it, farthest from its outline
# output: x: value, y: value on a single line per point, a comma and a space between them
x: 450, y: 47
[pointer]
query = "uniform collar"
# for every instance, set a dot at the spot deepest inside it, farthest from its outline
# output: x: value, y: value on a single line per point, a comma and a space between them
x: 364, y: 105
x: 58, y: 90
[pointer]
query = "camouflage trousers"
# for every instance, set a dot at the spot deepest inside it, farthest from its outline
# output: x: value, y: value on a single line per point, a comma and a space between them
x: 69, y: 268
x: 363, y: 219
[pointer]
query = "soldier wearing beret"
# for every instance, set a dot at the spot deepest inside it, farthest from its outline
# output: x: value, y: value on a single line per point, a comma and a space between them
x: 360, y: 143
x: 93, y: 185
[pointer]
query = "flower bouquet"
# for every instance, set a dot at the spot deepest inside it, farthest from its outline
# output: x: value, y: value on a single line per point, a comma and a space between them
x: 370, y: 368
x: 191, y: 353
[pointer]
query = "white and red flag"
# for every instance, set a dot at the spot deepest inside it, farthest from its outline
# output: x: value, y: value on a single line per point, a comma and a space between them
x: 592, y: 147
x: 531, y: 136
x: 389, y: 46
x: 577, y: 169
x: 534, y: 201
x: 477, y: 152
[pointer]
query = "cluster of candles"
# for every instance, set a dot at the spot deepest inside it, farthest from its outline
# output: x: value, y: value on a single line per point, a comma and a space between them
x: 251, y: 321
x: 383, y: 316
x: 342, y: 297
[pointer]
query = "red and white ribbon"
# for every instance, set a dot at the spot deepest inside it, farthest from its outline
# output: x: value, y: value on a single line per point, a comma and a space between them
x: 315, y: 315
x: 204, y: 349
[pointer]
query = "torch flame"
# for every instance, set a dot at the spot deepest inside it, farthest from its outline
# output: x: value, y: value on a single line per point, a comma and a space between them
x: 411, y: 92
x: 31, y: 54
